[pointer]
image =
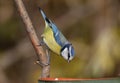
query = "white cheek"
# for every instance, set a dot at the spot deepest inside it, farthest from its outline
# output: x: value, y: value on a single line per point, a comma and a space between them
x: 65, y: 53
x: 71, y: 58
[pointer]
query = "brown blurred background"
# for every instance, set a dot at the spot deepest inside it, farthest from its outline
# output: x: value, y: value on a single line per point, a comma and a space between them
x: 93, y: 27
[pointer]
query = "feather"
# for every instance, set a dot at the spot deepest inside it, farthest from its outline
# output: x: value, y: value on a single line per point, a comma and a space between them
x: 59, y: 37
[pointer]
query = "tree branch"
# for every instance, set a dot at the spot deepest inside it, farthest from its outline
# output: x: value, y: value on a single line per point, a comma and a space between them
x: 34, y: 39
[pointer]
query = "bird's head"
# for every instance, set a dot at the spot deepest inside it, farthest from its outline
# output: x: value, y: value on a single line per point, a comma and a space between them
x: 67, y: 52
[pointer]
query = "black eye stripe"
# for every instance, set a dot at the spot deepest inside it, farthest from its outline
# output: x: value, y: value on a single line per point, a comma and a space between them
x: 67, y: 45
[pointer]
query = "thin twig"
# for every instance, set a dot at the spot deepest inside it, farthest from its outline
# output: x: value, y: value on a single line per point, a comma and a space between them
x: 34, y: 39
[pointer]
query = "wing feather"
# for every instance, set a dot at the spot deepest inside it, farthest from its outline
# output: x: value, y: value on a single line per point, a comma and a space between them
x: 59, y: 37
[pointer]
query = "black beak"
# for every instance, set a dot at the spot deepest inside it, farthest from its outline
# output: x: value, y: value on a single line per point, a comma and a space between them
x: 68, y: 61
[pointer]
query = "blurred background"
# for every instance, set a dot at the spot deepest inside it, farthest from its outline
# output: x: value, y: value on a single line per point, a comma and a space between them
x: 93, y: 27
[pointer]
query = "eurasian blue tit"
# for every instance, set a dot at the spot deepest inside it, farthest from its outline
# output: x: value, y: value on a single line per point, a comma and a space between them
x: 55, y: 40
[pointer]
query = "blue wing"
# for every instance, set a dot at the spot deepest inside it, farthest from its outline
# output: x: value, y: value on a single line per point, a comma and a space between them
x: 59, y: 37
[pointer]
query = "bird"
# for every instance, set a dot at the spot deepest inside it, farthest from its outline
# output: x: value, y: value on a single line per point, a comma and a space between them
x: 55, y: 40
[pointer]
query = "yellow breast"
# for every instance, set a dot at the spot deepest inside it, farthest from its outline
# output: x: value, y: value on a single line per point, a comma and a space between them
x: 49, y: 39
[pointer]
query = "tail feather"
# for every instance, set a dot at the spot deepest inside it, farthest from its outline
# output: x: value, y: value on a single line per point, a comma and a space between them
x: 43, y: 14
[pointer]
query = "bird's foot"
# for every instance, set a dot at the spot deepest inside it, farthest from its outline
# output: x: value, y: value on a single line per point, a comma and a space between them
x: 41, y: 64
x: 42, y: 43
x: 48, y: 59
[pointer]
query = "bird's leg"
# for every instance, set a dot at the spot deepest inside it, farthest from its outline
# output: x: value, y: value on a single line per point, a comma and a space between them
x: 47, y: 53
x: 41, y: 41
x: 48, y: 59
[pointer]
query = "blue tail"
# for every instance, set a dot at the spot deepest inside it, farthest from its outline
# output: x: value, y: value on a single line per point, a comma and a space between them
x: 43, y: 14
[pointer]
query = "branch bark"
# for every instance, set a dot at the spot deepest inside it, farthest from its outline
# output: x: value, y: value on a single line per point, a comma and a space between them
x: 34, y: 39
